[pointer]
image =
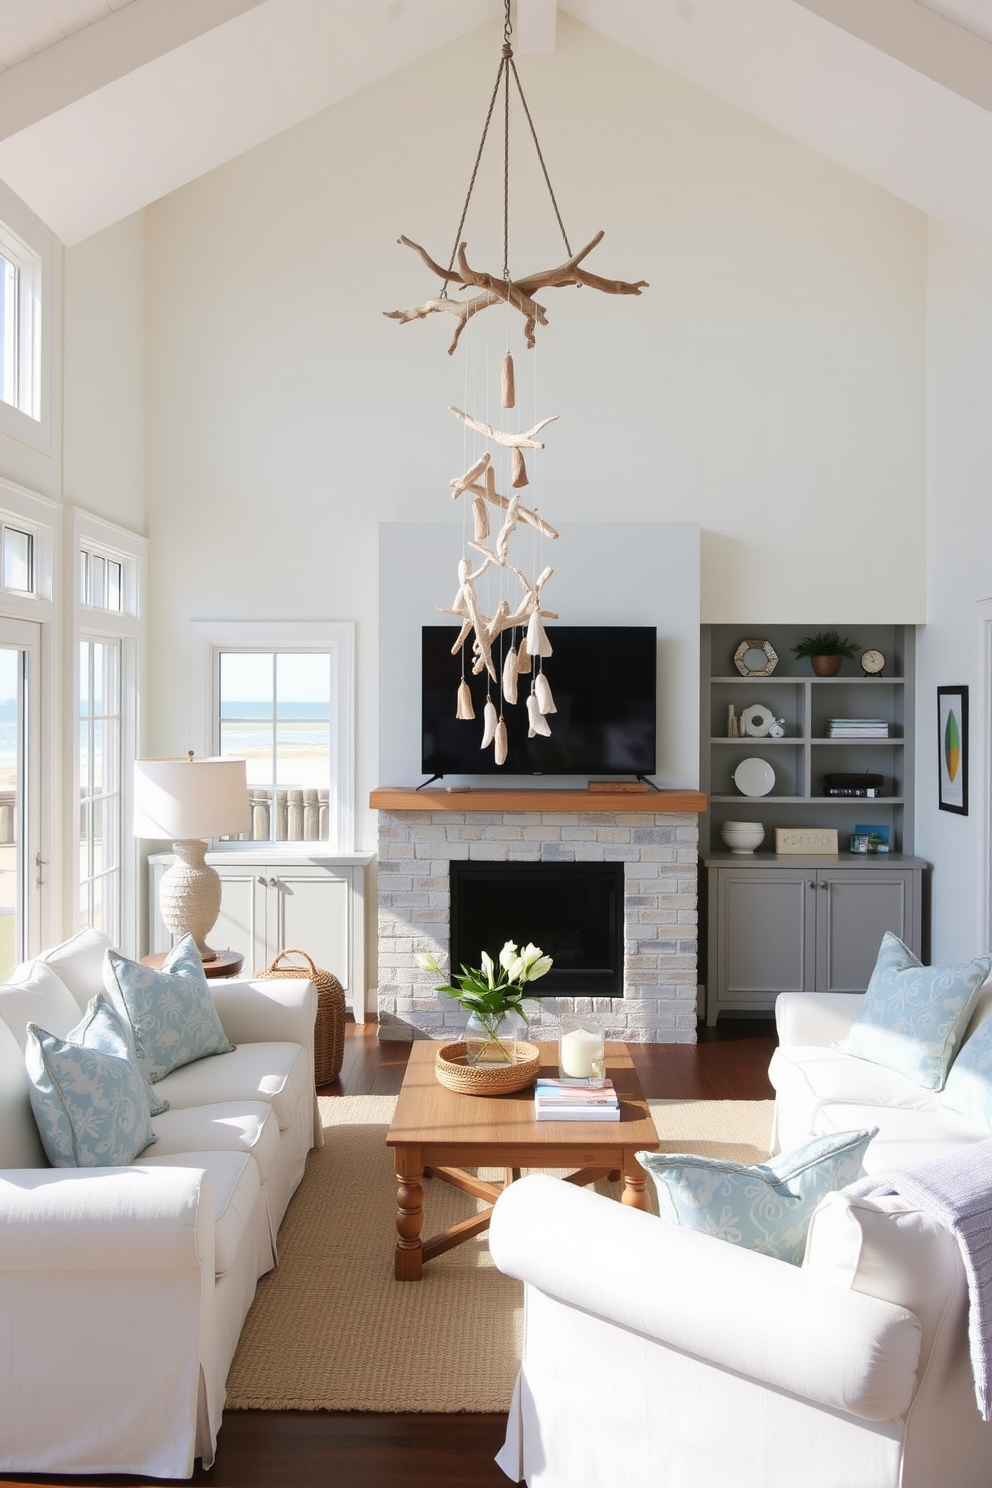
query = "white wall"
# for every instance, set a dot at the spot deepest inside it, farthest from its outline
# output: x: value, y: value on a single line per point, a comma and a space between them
x: 647, y: 574
x: 769, y: 385
x: 104, y: 425
x: 959, y: 543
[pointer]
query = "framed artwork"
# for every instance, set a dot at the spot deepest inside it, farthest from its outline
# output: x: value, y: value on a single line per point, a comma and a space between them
x: 952, y: 749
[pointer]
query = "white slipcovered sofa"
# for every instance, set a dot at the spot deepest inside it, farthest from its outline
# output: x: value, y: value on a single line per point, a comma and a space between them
x: 123, y: 1290
x: 659, y: 1357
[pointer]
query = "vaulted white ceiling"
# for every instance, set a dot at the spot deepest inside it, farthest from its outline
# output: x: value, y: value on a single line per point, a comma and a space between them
x: 106, y: 105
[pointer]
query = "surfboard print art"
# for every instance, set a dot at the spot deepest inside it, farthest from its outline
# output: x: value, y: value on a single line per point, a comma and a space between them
x: 952, y: 749
x: 952, y: 746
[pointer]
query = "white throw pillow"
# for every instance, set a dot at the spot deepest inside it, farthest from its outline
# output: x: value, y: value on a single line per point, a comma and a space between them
x: 35, y: 994
x: 886, y: 1248
x: 78, y: 962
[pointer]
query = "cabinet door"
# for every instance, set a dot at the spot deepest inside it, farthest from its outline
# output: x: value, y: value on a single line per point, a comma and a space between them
x: 310, y: 908
x: 766, y: 919
x: 853, y: 911
x: 241, y: 923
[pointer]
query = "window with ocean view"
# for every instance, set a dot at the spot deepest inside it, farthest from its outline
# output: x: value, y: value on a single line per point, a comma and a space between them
x: 275, y: 712
x: 100, y: 717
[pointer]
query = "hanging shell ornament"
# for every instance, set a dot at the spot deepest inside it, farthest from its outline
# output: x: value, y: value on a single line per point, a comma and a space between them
x: 510, y: 676
x: 464, y: 708
x: 507, y: 390
x: 523, y: 659
x: 538, y: 723
x: 500, y: 743
x: 537, y: 637
x: 490, y: 719
x: 542, y: 691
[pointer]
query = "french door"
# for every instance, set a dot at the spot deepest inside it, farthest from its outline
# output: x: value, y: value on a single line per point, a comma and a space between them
x: 21, y: 867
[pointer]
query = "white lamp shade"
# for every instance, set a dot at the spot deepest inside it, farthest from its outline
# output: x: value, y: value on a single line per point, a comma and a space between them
x: 177, y: 799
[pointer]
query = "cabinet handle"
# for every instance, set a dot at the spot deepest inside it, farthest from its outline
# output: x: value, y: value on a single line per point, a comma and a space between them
x: 824, y: 884
x: 273, y: 882
x: 811, y: 884
x: 261, y: 880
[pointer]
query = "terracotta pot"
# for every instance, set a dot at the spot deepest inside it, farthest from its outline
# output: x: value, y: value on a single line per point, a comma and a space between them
x: 826, y: 666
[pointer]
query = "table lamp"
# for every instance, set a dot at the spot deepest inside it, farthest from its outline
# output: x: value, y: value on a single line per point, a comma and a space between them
x: 188, y: 800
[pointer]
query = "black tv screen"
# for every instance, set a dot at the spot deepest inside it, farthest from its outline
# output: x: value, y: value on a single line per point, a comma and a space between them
x: 603, y: 682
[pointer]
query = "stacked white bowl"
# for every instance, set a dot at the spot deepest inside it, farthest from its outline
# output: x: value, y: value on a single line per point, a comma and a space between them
x: 742, y: 837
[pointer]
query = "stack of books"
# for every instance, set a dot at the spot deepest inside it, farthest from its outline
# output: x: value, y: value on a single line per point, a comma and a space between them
x: 574, y: 1100
x: 857, y: 728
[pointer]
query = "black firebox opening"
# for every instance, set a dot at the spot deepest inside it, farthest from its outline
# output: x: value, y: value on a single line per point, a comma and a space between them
x: 573, y: 911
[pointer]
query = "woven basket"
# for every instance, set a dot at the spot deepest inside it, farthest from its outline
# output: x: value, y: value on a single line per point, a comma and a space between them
x: 486, y: 1079
x: 328, y: 1033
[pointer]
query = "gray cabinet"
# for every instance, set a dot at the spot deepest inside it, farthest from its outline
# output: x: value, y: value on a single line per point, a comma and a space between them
x: 802, y: 924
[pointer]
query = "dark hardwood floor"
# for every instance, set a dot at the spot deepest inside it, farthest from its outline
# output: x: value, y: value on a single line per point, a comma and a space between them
x: 332, y: 1449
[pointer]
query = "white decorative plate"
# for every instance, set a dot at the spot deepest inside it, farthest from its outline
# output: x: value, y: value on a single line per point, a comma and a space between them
x: 756, y: 721
x: 754, y: 777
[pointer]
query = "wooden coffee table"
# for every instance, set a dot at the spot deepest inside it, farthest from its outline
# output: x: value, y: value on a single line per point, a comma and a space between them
x: 436, y: 1133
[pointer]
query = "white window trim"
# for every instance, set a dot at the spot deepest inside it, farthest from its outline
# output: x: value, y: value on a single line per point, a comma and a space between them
x: 334, y: 636
x: 980, y: 782
x: 43, y: 518
x: 127, y: 626
x: 36, y: 433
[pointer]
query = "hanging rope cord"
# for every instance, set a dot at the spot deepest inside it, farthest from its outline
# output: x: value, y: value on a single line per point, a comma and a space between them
x: 506, y: 66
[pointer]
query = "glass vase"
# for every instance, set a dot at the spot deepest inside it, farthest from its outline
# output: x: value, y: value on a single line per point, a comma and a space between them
x: 492, y: 1038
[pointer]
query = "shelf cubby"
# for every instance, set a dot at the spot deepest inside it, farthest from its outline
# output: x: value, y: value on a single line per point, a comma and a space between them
x: 804, y: 703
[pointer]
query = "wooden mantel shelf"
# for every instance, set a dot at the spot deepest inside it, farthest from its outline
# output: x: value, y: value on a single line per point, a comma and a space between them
x: 648, y: 803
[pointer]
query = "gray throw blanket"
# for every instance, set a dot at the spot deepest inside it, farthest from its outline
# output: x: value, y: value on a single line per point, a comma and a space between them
x: 956, y: 1191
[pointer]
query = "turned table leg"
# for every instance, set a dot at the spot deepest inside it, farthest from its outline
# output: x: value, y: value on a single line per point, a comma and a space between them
x: 635, y: 1183
x: 409, y: 1261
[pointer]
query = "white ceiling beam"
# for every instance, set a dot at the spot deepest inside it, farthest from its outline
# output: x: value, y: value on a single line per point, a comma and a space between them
x: 103, y: 52
x: 535, y: 27
x: 927, y: 42
x: 819, y: 84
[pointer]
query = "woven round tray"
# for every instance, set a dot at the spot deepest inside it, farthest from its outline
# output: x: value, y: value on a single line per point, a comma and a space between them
x: 486, y: 1079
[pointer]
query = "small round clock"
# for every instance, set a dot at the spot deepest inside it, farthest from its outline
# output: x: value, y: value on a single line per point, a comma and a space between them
x: 872, y: 663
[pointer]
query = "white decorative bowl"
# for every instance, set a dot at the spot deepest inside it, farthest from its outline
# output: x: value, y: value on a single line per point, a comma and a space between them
x: 742, y: 837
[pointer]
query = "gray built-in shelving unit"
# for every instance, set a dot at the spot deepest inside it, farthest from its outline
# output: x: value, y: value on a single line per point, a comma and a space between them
x: 789, y: 924
x: 802, y: 758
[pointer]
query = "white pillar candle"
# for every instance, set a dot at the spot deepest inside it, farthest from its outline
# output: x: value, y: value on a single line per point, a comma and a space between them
x: 579, y: 1050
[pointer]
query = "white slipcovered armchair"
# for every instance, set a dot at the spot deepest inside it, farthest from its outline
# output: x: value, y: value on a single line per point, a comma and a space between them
x: 658, y: 1357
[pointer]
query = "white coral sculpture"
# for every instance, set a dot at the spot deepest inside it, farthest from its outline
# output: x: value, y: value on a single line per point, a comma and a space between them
x: 479, y: 482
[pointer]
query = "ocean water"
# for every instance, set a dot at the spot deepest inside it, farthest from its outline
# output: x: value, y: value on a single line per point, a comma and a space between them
x: 303, y: 732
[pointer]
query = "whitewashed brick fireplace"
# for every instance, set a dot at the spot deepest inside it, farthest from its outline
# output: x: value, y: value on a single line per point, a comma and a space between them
x: 655, y: 837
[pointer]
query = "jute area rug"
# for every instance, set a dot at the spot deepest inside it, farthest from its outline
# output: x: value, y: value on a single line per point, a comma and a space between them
x: 331, y: 1330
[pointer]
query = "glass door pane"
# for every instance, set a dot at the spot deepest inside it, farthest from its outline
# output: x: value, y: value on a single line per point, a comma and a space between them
x: 16, y: 896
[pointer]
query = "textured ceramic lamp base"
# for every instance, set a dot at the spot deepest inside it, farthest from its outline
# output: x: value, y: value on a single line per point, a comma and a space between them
x: 189, y: 896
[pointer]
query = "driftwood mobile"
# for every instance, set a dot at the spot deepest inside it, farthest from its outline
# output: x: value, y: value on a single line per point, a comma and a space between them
x: 527, y: 652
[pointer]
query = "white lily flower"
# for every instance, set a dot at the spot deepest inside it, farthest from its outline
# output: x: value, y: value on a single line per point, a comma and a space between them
x: 426, y: 962
x: 530, y: 953
x: 508, y: 955
x: 539, y: 968
x: 516, y: 969
x: 487, y: 967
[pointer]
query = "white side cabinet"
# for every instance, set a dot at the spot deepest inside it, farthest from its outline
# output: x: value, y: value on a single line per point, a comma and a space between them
x: 272, y: 901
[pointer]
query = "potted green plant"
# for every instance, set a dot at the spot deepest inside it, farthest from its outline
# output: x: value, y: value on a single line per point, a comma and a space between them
x: 493, y: 997
x: 826, y: 650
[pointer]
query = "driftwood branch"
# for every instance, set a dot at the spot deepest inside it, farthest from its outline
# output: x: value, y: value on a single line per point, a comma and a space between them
x: 518, y: 292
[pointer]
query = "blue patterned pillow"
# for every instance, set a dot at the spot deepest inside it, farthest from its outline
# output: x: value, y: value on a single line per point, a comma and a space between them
x: 90, y: 1104
x: 765, y: 1208
x: 969, y: 1084
x: 171, y: 1012
x: 913, y: 1017
x: 102, y: 1027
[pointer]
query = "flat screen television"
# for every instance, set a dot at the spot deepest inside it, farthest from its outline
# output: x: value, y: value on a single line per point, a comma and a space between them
x: 604, y: 686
